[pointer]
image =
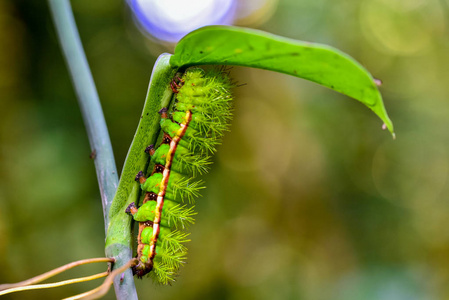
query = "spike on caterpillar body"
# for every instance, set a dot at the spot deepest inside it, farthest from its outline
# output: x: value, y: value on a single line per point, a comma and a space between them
x: 191, y: 130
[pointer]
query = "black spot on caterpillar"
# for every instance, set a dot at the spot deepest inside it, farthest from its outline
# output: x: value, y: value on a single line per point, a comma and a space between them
x: 192, y: 129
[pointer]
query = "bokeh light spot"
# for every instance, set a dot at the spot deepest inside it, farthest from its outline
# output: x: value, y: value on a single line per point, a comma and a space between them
x: 170, y: 20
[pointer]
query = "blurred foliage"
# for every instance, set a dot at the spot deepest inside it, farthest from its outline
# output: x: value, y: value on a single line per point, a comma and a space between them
x: 300, y: 204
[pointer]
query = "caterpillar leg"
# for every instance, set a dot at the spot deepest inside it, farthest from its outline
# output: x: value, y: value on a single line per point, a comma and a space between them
x: 176, y: 86
x: 131, y: 209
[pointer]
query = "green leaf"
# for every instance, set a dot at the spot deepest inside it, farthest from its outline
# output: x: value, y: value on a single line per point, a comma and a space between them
x: 225, y: 45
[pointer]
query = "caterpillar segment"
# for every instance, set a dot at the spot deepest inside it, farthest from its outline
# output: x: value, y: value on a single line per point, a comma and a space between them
x: 190, y: 134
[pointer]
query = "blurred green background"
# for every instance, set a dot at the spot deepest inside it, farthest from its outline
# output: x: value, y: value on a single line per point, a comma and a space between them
x: 308, y: 197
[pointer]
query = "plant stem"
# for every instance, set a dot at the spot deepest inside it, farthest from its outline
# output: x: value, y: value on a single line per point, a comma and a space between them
x: 97, y: 131
x: 87, y: 98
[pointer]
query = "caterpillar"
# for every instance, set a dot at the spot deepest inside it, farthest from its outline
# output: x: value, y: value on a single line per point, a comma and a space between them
x: 191, y: 128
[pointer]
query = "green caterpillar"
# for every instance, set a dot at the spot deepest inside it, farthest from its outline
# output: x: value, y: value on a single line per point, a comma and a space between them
x: 200, y: 115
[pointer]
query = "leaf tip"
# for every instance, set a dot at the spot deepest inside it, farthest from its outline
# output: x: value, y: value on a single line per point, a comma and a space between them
x: 389, y: 126
x: 378, y: 82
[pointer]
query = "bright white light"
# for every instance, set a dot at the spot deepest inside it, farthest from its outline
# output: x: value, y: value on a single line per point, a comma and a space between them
x: 171, y: 19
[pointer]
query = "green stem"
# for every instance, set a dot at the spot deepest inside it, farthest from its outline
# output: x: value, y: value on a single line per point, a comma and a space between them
x: 97, y: 131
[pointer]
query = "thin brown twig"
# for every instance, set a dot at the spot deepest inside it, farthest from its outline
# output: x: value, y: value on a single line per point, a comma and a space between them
x: 104, y: 288
x: 54, y: 272
x: 54, y: 284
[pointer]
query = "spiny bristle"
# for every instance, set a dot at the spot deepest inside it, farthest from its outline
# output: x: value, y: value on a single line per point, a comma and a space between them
x: 184, y: 160
x: 162, y: 273
x: 175, y: 240
x: 202, y: 144
x: 194, y: 164
x: 208, y: 112
x: 187, y: 188
x: 171, y: 259
x: 210, y: 127
x: 215, y: 125
x: 213, y: 78
x: 180, y: 215
x: 194, y: 75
